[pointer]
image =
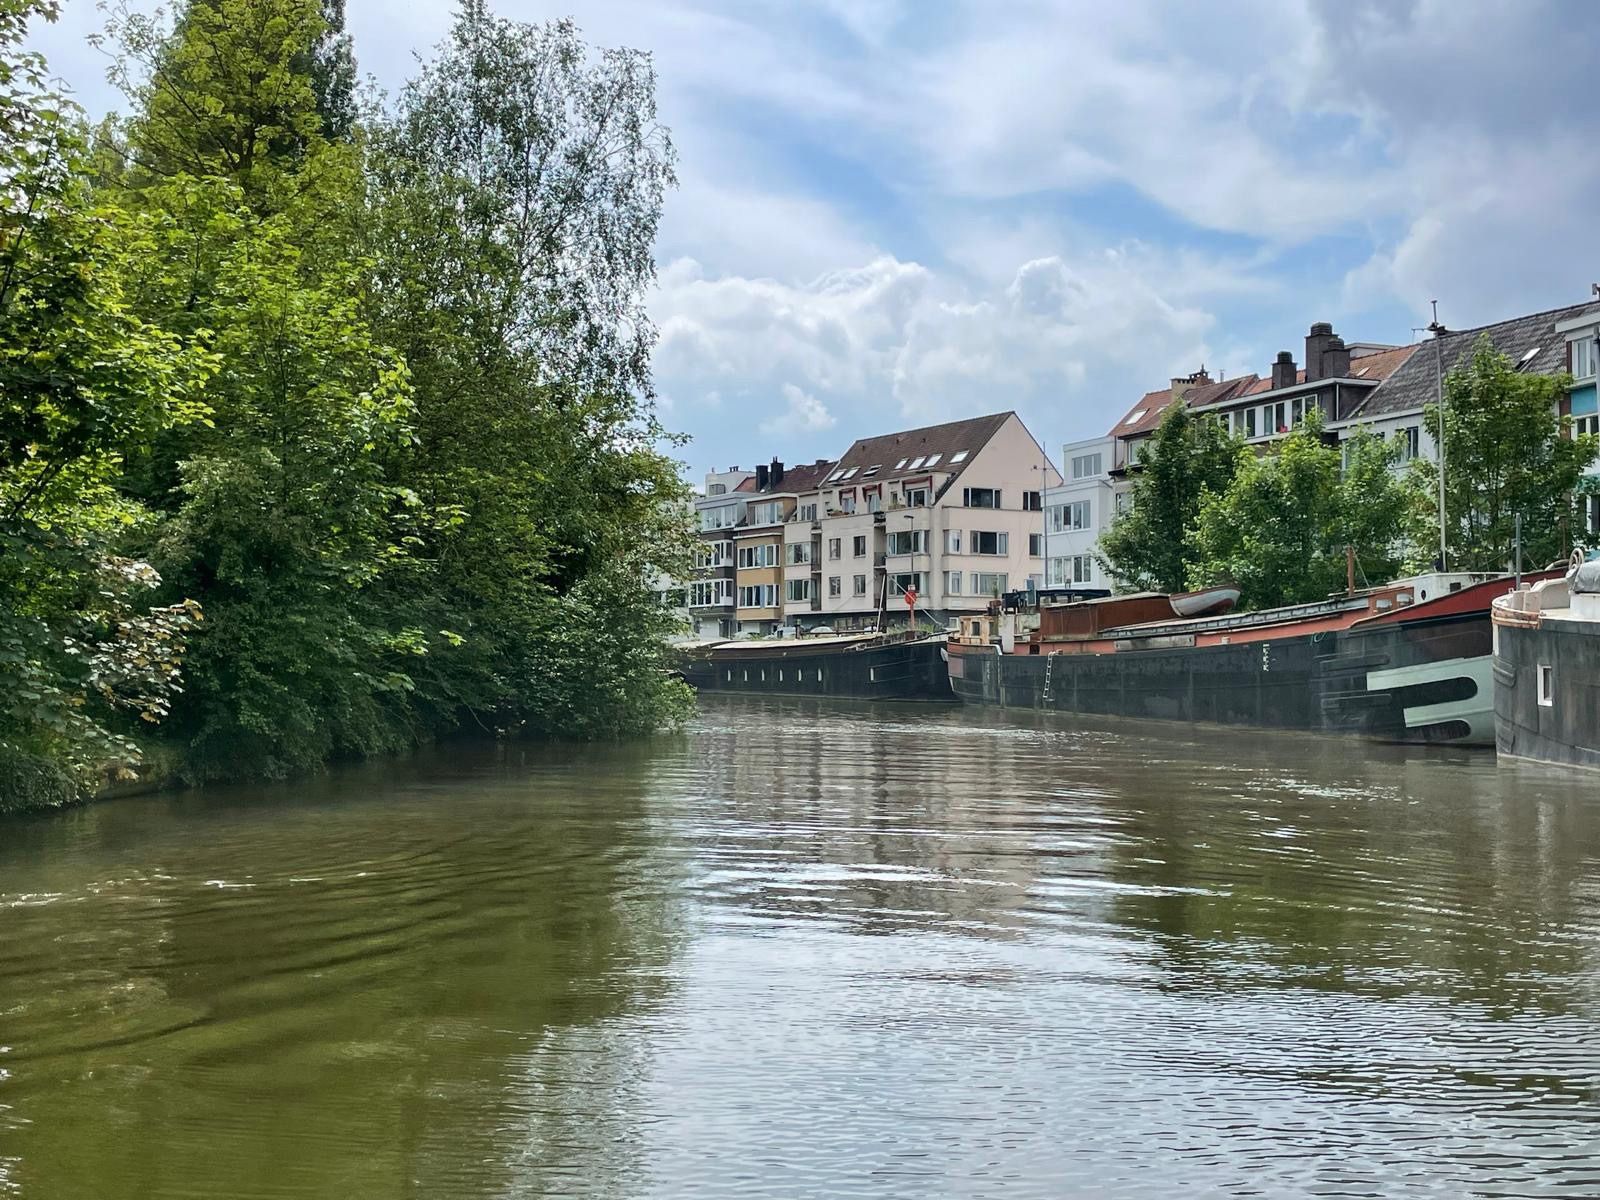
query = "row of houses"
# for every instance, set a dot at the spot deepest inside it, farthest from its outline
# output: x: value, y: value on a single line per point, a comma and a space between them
x: 1355, y: 386
x: 953, y: 515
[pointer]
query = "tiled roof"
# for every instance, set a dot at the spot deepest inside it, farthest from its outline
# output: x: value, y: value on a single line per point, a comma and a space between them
x: 1143, y: 416
x: 917, y: 445
x: 1381, y: 365
x: 1222, y: 391
x: 1412, y: 383
x: 805, y: 477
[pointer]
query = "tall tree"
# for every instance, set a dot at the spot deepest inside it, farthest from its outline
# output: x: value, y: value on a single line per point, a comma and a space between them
x: 1281, y: 527
x: 284, y: 512
x: 519, y: 189
x: 1508, y: 452
x: 81, y: 376
x: 1152, y: 545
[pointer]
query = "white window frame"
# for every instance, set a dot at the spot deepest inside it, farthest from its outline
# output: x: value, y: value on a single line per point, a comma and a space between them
x: 1547, y: 685
x: 952, y: 583
x: 952, y: 541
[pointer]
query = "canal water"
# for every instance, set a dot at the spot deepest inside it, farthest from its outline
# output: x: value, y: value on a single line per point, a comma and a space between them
x: 814, y: 950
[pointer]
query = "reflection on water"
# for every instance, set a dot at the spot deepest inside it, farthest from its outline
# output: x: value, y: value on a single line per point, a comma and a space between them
x: 816, y: 950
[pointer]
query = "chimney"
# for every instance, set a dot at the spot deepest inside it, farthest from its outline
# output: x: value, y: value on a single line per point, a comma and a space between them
x: 1335, y: 359
x: 1283, y: 371
x: 1182, y: 385
x: 777, y: 472
x: 1316, y: 346
x: 761, y: 478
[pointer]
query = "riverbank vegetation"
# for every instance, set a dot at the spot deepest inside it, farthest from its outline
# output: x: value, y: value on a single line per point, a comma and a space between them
x: 1278, y: 521
x: 328, y: 420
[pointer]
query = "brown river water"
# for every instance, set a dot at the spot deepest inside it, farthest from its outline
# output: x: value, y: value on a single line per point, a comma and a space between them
x: 816, y: 950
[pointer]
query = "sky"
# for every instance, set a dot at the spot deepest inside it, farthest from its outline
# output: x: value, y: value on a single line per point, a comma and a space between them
x: 896, y: 213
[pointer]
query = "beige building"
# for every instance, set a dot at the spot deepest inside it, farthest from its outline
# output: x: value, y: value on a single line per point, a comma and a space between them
x: 771, y: 504
x: 952, y: 512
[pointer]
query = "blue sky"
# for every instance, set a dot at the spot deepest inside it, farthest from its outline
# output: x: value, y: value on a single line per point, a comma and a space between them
x: 893, y: 213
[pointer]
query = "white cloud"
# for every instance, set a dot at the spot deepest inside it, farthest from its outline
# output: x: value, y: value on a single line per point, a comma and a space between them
x: 802, y: 413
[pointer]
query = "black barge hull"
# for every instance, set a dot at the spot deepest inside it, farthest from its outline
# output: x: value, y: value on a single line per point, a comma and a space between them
x: 893, y: 671
x: 1266, y: 684
x: 1562, y: 725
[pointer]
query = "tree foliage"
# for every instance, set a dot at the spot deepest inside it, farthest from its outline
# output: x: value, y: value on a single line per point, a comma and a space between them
x: 1153, y: 545
x: 369, y: 390
x: 1507, y: 453
x: 1281, y: 527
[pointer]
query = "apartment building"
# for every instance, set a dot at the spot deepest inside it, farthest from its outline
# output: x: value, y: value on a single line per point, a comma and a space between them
x: 1559, y: 341
x: 772, y: 502
x: 952, y: 512
x: 711, y: 591
x: 1075, y: 513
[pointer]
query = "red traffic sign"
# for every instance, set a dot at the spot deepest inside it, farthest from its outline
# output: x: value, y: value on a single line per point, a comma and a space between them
x: 911, y: 597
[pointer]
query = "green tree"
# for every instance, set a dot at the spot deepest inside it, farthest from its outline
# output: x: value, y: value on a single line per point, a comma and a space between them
x: 81, y: 376
x: 1152, y: 544
x: 1508, y: 452
x: 1281, y: 527
x: 518, y: 192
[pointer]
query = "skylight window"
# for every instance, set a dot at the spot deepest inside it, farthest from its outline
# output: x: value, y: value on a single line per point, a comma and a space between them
x: 1526, y: 360
x: 932, y: 458
x: 849, y: 474
x: 872, y: 470
x: 901, y: 464
x: 834, y: 476
x: 916, y: 462
x: 1133, y: 418
x: 1362, y: 372
x: 959, y: 456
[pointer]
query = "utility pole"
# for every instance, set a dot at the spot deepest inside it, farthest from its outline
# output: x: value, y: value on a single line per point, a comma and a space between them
x: 1438, y: 332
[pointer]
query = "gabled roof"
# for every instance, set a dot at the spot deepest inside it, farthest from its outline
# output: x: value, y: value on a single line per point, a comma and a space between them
x: 893, y: 453
x: 1381, y: 365
x: 1143, y: 416
x: 806, y: 477
x: 1222, y: 391
x: 1412, y: 383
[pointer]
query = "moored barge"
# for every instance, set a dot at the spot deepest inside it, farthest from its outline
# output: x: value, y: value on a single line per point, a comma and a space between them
x: 1547, y: 670
x: 859, y: 667
x: 1407, y: 662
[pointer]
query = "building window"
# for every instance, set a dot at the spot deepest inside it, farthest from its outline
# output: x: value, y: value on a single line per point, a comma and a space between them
x: 858, y: 585
x: 1411, y: 441
x: 835, y: 585
x: 835, y: 548
x: 1592, y: 509
x: 986, y: 583
x: 959, y: 456
x: 875, y: 503
x: 798, y: 590
x: 807, y: 512
x: 722, y: 517
x: 1036, y: 545
x: 980, y: 497
x: 1073, y: 516
x: 1031, y: 502
x: 717, y: 489
x: 859, y: 546
x: 758, y: 556
x: 799, y: 553
x: 1082, y: 568
x: 1583, y: 357
x: 952, y: 583
x: 847, y: 502
x: 1279, y: 425
x: 1249, y: 422
x: 1124, y: 501
x: 909, y: 581
x: 760, y: 595
x: 1583, y: 425
x: 952, y: 541
x: 906, y: 541
x: 1547, y: 686
x: 983, y: 542
x: 916, y: 497
x: 769, y: 513
x: 1084, y: 466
